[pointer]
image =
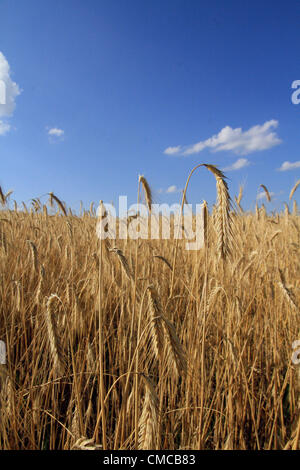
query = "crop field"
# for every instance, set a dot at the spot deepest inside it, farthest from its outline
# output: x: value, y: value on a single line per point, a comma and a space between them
x: 142, y: 344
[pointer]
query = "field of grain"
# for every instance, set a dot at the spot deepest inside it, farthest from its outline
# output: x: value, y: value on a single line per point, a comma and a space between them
x: 141, y: 344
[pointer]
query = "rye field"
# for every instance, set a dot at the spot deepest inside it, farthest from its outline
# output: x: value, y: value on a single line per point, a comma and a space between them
x: 141, y: 344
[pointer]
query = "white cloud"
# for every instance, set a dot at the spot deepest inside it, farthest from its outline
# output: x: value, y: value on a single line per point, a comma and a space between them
x: 172, y: 189
x: 289, y: 166
x: 262, y: 195
x: 172, y: 150
x: 259, y: 137
x: 9, y: 90
x: 240, y: 163
x: 4, y: 128
x: 56, y: 132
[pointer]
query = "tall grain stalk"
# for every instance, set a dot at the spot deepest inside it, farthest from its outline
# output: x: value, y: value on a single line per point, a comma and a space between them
x: 224, y: 221
x: 136, y: 377
x: 101, y: 404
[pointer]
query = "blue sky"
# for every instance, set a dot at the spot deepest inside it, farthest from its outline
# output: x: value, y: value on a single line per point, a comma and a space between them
x: 107, y: 90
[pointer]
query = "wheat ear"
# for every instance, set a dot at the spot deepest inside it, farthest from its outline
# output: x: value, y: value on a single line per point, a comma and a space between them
x: 149, y: 420
x: 56, y: 348
x: 156, y: 329
x: 175, y: 356
x: 224, y: 219
x: 266, y: 192
x: 34, y: 255
x: 59, y: 203
x: 2, y: 197
x: 124, y: 262
x: 147, y: 191
x: 164, y: 260
x: 294, y: 189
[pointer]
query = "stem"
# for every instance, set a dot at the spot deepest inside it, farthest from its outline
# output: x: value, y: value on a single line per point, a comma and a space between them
x: 101, y: 352
x: 136, y: 378
x: 179, y: 225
